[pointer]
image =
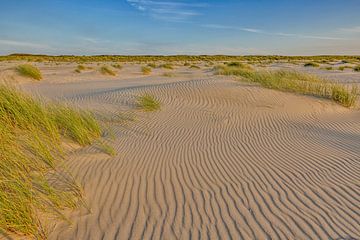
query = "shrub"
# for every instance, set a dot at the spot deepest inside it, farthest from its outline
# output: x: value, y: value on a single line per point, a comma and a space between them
x: 357, y: 68
x: 30, y: 71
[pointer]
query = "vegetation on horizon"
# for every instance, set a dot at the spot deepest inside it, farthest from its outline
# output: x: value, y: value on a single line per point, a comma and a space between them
x: 175, y: 58
x: 28, y: 70
x: 293, y: 81
x: 147, y: 103
x: 31, y: 133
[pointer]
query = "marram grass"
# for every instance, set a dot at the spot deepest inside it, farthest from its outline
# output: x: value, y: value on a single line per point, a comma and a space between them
x: 292, y: 81
x: 28, y: 70
x: 30, y: 154
x: 107, y: 71
x: 148, y: 103
x: 146, y: 70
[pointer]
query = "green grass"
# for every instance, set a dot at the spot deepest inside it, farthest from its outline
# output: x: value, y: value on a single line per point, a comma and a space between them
x: 357, y: 68
x: 146, y: 70
x: 147, y: 103
x: 311, y: 64
x: 107, y: 71
x: 28, y: 70
x: 31, y: 133
x: 106, y: 148
x: 293, y: 81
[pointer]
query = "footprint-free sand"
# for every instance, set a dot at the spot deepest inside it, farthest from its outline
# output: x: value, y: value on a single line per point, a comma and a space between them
x: 221, y: 160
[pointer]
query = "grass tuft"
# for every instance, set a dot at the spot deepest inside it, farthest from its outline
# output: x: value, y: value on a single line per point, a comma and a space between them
x: 117, y: 65
x: 30, y: 71
x: 293, y: 81
x: 167, y: 66
x: 311, y: 64
x: 146, y: 70
x: 148, y: 103
x: 357, y: 68
x: 107, y: 71
x: 30, y: 153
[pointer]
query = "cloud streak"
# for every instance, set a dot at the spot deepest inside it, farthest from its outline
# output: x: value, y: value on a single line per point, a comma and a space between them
x: 260, y: 31
x: 166, y: 10
x: 23, y: 44
x: 355, y: 29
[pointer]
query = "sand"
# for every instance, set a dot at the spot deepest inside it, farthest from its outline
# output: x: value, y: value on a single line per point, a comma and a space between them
x: 221, y: 160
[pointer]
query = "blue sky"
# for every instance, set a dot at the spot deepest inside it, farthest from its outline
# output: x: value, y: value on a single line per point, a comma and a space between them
x: 236, y: 27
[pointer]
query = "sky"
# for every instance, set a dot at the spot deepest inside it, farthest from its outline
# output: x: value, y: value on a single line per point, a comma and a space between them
x: 169, y: 27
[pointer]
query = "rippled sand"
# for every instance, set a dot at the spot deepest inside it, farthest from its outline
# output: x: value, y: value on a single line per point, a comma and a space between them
x: 221, y: 159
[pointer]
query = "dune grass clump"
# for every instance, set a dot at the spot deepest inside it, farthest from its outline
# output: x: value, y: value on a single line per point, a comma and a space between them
x: 167, y: 66
x: 311, y: 64
x: 107, y: 71
x: 147, y: 103
x: 117, y: 66
x: 194, y: 67
x: 152, y: 65
x: 357, y: 68
x: 146, y: 70
x: 28, y: 70
x: 297, y: 82
x: 168, y: 74
x: 30, y: 154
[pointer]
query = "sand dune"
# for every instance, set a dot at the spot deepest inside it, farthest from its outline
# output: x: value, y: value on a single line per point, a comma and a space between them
x: 221, y: 159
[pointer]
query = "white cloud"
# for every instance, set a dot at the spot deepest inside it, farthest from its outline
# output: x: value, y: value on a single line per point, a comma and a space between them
x: 23, y: 44
x: 355, y: 29
x: 166, y: 10
x: 260, y: 31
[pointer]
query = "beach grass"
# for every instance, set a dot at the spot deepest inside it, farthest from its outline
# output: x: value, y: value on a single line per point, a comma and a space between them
x: 168, y: 74
x: 292, y: 81
x: 167, y: 66
x: 28, y: 70
x: 311, y: 64
x: 194, y: 67
x: 147, y: 103
x: 117, y: 66
x: 31, y: 133
x: 146, y: 70
x: 357, y: 68
x: 106, y: 70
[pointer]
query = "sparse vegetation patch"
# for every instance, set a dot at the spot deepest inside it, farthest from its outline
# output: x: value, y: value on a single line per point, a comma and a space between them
x: 107, y: 71
x: 148, y: 103
x: 28, y: 70
x: 295, y: 82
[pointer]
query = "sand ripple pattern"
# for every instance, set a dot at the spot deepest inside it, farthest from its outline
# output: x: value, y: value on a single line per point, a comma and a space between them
x: 221, y: 160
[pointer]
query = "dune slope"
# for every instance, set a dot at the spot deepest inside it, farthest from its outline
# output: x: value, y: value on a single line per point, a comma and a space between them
x: 221, y: 159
